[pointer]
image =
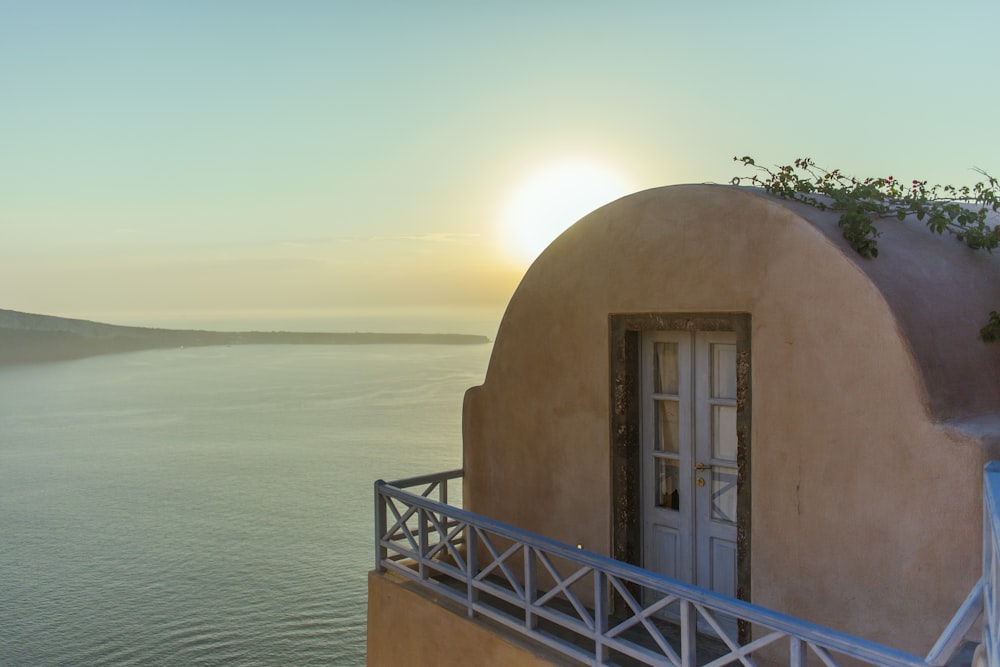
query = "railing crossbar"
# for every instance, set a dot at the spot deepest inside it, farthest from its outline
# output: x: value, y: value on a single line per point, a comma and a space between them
x: 722, y: 634
x: 499, y: 562
x: 445, y: 540
x: 639, y: 614
x: 562, y: 586
x: 823, y: 655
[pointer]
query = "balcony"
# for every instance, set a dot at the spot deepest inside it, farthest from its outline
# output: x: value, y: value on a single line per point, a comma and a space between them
x: 565, y: 605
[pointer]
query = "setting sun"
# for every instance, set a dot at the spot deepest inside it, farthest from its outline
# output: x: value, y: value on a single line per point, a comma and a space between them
x: 551, y: 199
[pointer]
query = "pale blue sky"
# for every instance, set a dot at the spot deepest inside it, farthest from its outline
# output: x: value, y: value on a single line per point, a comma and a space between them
x: 173, y: 161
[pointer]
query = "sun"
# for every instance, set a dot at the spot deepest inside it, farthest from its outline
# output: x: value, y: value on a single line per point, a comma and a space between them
x: 551, y: 199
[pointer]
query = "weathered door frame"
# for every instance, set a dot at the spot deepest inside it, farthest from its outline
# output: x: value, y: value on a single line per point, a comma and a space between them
x: 626, y: 479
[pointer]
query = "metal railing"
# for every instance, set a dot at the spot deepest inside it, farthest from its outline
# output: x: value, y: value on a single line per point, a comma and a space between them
x: 563, y: 596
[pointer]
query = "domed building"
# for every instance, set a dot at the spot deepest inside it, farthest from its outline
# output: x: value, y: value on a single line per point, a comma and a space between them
x: 708, y: 383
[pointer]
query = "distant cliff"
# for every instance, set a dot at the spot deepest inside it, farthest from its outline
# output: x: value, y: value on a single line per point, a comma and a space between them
x: 29, y: 338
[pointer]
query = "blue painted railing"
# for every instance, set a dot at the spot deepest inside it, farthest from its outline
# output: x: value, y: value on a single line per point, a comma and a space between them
x: 562, y: 596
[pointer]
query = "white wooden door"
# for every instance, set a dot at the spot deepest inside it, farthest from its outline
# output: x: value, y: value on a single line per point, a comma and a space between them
x: 689, y: 457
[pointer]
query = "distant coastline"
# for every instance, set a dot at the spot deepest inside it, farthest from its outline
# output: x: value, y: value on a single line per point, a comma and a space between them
x: 29, y: 338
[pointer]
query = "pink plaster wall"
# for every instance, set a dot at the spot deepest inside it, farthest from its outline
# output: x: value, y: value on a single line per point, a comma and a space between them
x: 411, y: 626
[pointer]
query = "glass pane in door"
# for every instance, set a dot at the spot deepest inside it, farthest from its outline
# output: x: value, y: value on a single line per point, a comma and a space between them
x: 668, y: 481
x: 724, y: 370
x: 667, y: 426
x: 724, y: 494
x: 665, y: 363
x: 724, y: 432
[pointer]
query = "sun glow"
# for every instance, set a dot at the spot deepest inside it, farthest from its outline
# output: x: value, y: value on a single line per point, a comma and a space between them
x: 553, y: 198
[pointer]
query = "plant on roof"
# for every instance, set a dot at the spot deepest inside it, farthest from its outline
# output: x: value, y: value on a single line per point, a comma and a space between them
x: 959, y: 211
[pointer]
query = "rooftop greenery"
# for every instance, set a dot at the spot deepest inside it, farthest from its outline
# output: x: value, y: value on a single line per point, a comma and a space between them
x: 864, y: 203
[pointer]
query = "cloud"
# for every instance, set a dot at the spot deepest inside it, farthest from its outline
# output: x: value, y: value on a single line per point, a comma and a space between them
x: 431, y: 237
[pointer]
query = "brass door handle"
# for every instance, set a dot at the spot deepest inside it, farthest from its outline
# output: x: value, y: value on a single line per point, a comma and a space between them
x: 701, y: 467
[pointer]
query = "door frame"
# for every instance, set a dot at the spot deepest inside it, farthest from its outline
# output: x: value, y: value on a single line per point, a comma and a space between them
x: 625, y: 428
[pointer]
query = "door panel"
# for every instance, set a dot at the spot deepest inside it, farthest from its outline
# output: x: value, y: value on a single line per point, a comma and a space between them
x: 667, y: 453
x: 688, y: 410
x: 667, y: 550
x: 723, y: 567
x: 715, y: 451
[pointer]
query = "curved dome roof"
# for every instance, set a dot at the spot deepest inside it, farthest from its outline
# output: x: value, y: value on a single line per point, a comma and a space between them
x: 939, y: 292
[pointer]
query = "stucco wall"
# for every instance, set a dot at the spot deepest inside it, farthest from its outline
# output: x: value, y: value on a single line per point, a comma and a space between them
x: 866, y: 513
x: 940, y: 292
x: 408, y: 626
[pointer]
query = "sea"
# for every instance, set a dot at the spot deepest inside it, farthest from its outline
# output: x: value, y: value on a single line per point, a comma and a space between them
x: 213, y: 505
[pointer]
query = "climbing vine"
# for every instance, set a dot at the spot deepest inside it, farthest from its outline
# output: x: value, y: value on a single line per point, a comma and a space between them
x: 959, y: 211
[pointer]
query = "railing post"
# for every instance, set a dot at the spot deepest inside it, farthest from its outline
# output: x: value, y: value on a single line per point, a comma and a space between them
x: 380, y: 551
x: 797, y: 652
x: 530, y: 587
x: 987, y: 565
x: 600, y: 616
x: 422, y: 528
x: 443, y: 499
x: 991, y: 486
x: 689, y: 634
x: 472, y: 569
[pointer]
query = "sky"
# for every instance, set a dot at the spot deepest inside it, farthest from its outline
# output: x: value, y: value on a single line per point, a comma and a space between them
x: 300, y: 164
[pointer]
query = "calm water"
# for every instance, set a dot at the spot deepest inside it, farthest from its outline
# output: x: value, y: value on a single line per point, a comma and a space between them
x: 209, y: 506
